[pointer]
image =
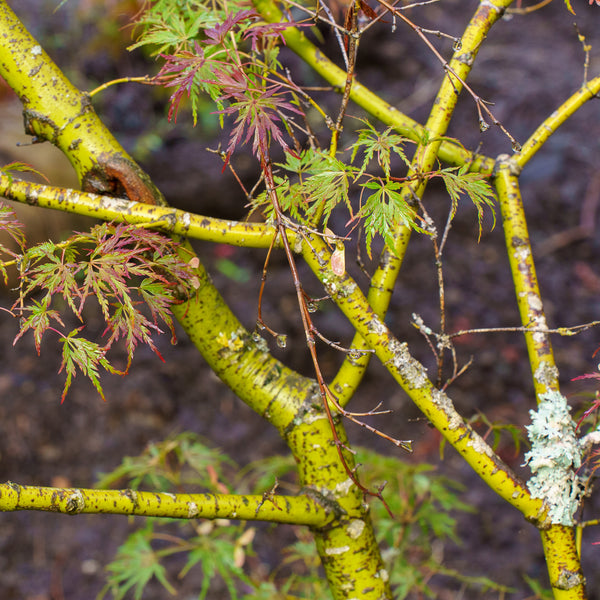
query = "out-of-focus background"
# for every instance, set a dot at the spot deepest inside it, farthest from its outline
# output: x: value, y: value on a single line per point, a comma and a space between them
x: 527, y: 67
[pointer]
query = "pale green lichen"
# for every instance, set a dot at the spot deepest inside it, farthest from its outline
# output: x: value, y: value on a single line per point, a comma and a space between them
x: 546, y: 373
x: 555, y: 454
x: 355, y: 528
x: 383, y: 575
x: 336, y: 286
x: 336, y: 551
x: 343, y: 487
x: 443, y: 402
x: 411, y: 370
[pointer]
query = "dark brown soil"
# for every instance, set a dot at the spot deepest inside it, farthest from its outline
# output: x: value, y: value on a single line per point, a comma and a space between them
x: 527, y: 68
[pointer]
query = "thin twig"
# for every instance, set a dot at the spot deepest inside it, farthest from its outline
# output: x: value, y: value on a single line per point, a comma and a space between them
x: 480, y: 103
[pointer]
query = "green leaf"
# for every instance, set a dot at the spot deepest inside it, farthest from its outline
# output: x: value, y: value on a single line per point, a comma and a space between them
x: 381, y: 145
x: 135, y: 565
x: 170, y: 26
x: 181, y: 460
x: 384, y: 210
x: 215, y: 557
x: 85, y: 355
x: 474, y: 185
x: 322, y: 182
x: 38, y: 321
x: 20, y: 167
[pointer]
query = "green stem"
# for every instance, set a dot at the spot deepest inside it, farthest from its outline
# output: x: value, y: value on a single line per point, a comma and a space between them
x: 555, y: 120
x: 347, y: 545
x: 559, y: 541
x: 363, y: 97
x: 57, y: 111
x: 383, y: 282
x: 297, y: 510
x: 412, y: 377
x: 529, y: 300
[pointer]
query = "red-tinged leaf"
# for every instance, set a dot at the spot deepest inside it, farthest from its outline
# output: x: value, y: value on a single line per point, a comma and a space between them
x: 257, y: 105
x: 85, y: 355
x: 126, y: 268
x: 218, y: 34
x: 38, y: 321
x: 258, y: 32
x: 21, y: 167
x: 12, y: 226
x: 587, y: 376
x: 180, y: 71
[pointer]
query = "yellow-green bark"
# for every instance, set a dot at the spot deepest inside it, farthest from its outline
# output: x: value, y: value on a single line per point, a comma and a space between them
x: 330, y: 503
x: 531, y: 309
x: 297, y: 510
x: 559, y: 541
x: 57, y: 111
x: 362, y: 96
x: 285, y: 399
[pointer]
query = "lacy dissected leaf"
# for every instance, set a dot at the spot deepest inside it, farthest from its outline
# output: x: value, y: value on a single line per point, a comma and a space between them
x: 474, y: 185
x: 322, y: 183
x: 85, y: 355
x: 381, y: 145
x: 168, y: 26
x: 200, y: 53
x: 215, y: 556
x: 257, y: 105
x: 20, y: 167
x: 135, y: 565
x: 259, y: 32
x: 54, y: 269
x: 37, y: 318
x: 130, y: 271
x: 187, y: 72
x: 134, y: 327
x: 10, y: 225
x: 180, y: 460
x: 218, y: 34
x: 383, y: 211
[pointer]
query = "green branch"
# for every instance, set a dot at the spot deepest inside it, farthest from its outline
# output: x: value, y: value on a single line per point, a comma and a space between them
x: 290, y: 402
x: 296, y: 510
x: 363, y: 97
x: 165, y: 218
x: 555, y: 483
x: 57, y: 111
x: 412, y: 377
x: 539, y: 137
x: 541, y: 357
x: 384, y: 279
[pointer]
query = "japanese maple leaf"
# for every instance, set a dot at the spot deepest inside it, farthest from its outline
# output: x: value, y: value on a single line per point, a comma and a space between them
x: 257, y: 105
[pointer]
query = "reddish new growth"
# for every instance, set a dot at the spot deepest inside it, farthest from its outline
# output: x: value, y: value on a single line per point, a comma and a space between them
x: 217, y: 67
x: 257, y: 104
x: 134, y: 274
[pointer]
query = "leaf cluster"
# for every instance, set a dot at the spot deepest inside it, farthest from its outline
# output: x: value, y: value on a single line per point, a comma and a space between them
x: 218, y: 548
x: 311, y: 184
x: 223, y: 50
x: 183, y: 461
x: 424, y: 505
x: 135, y: 276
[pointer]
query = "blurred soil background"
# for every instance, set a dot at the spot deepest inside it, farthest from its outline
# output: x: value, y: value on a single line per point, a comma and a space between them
x: 527, y: 67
